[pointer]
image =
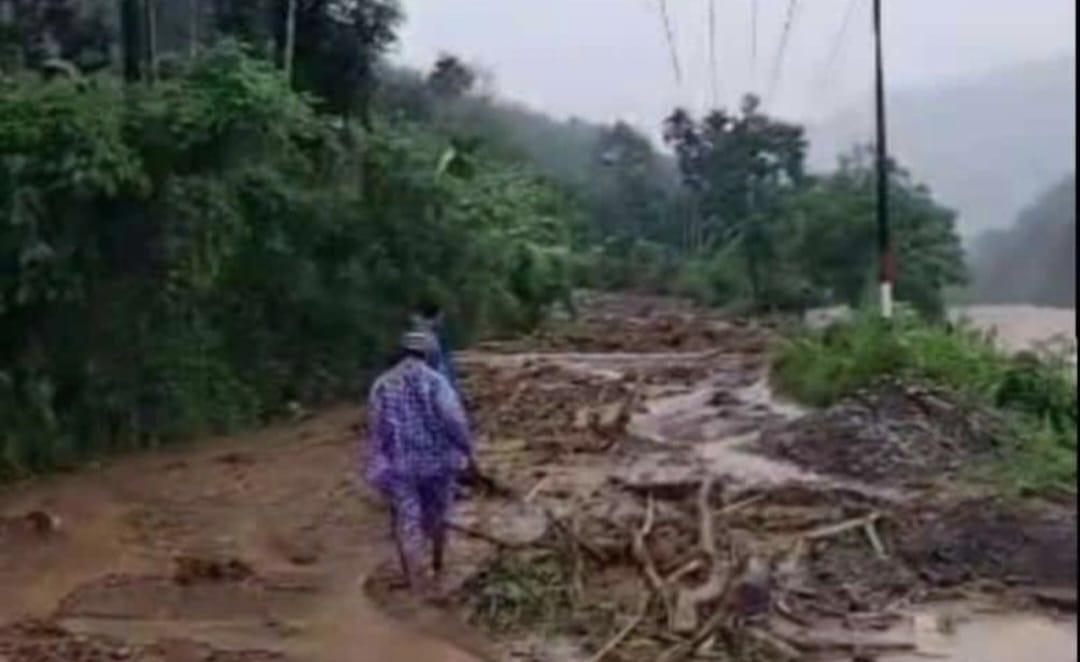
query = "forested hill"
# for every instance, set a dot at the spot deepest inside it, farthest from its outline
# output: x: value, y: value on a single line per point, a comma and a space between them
x: 1034, y: 260
x: 213, y: 212
x: 986, y: 146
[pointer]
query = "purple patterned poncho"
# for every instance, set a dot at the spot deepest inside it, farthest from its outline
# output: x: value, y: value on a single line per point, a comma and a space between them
x: 417, y: 426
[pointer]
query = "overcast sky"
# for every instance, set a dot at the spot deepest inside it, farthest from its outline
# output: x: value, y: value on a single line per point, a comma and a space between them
x: 609, y: 59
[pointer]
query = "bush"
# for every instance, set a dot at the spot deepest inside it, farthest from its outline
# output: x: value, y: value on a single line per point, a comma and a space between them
x: 1036, y: 394
x: 192, y: 256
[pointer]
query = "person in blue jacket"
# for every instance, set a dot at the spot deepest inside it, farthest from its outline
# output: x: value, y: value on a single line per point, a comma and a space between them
x: 429, y: 318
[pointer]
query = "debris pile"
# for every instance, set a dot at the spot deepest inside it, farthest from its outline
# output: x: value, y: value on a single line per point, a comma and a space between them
x: 548, y: 408
x: 896, y: 434
x: 644, y: 577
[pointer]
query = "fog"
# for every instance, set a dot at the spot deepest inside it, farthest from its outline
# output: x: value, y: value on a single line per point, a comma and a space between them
x: 981, y: 92
x: 609, y: 59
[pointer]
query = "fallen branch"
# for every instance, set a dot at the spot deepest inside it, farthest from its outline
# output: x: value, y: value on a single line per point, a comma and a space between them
x: 536, y: 489
x: 592, y: 551
x: 741, y: 505
x: 641, y: 555
x: 785, y: 610
x: 708, y: 535
x: 841, y: 527
x: 682, y: 650
x: 488, y: 538
x: 474, y: 477
x: 621, y: 635
x: 577, y: 583
x: 693, y: 565
x: 685, y: 617
x: 875, y: 541
x: 777, y: 645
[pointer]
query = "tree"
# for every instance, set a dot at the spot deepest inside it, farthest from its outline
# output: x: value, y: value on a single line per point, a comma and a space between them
x: 132, y: 39
x: 150, y: 25
x: 451, y: 78
x: 630, y: 192
x: 55, y: 35
x: 338, y: 43
x: 834, y: 236
x: 194, y: 17
x: 290, y: 39
x: 738, y: 167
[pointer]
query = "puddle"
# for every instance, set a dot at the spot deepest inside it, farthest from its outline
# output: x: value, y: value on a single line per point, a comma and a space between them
x: 720, y: 437
x: 982, y: 637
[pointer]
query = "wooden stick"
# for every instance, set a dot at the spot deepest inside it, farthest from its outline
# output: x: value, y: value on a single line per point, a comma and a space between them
x: 641, y: 554
x: 842, y: 527
x: 613, y: 643
x: 685, y: 569
x: 875, y: 541
x: 708, y: 535
x: 488, y: 538
x: 577, y: 583
x: 782, y: 648
x: 536, y: 489
x: 741, y: 505
x: 596, y: 554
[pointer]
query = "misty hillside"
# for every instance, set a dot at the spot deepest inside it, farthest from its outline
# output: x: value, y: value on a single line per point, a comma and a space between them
x: 1034, y: 261
x: 986, y: 146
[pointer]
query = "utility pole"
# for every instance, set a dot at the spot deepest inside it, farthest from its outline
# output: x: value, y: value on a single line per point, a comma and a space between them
x: 290, y: 40
x: 886, y: 264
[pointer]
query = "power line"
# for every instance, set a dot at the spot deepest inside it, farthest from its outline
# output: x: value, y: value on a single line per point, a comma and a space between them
x: 778, y: 63
x: 838, y: 43
x: 668, y: 34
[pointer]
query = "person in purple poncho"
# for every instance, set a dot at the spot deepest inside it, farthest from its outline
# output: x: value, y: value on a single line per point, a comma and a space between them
x: 419, y: 442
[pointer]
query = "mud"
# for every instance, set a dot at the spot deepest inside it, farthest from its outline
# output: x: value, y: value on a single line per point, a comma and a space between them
x: 37, y: 641
x: 844, y: 510
x: 247, y: 548
x: 992, y: 539
x: 819, y: 532
x: 897, y: 434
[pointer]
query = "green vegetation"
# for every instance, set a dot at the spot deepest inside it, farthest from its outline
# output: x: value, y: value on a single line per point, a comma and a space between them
x: 519, y: 592
x: 213, y: 210
x: 192, y: 255
x: 774, y: 237
x: 1036, y: 394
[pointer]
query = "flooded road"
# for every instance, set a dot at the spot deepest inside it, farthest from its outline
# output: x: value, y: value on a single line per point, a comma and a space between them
x: 284, y: 543
x: 982, y: 637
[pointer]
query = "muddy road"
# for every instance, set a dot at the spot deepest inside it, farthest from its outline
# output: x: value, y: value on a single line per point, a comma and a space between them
x: 653, y: 486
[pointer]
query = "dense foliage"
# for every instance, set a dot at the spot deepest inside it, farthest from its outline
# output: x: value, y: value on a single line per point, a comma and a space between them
x: 193, y: 255
x: 772, y: 235
x: 195, y: 233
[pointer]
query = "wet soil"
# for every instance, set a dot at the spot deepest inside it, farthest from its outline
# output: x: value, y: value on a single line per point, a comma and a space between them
x: 246, y: 548
x: 895, y: 434
x: 848, y: 510
x: 602, y: 438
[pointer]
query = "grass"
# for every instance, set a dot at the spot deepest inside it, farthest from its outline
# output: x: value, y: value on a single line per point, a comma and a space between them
x: 520, y: 591
x: 1035, y: 391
